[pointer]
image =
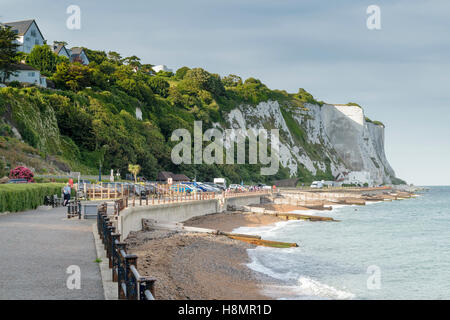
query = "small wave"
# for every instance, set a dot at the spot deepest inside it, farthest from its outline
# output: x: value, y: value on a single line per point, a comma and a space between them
x: 373, y: 202
x: 310, y: 287
x: 306, y: 289
x: 268, y: 230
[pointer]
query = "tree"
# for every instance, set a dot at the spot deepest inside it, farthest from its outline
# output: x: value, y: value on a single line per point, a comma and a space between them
x: 134, y: 169
x: 95, y: 56
x: 72, y: 76
x: 115, y: 57
x: 198, y: 79
x: 181, y: 73
x: 147, y: 68
x: 8, y: 52
x: 133, y: 61
x: 232, y: 80
x: 43, y: 59
x: 159, y: 86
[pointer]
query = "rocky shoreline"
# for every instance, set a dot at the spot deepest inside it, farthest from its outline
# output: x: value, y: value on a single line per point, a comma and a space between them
x: 198, y: 266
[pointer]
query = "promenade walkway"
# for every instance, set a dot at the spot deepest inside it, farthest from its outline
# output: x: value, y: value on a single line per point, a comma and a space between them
x: 37, y: 247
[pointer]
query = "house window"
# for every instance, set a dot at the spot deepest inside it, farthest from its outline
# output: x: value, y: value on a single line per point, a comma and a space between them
x: 31, y: 74
x: 33, y: 33
x: 36, y: 42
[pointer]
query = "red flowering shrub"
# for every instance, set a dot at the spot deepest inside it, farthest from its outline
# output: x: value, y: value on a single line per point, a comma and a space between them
x: 21, y: 173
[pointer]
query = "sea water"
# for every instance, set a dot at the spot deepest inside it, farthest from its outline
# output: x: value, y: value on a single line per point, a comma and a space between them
x: 384, y: 250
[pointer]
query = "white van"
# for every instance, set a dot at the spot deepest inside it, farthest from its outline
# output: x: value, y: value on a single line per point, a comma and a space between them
x: 220, y: 182
x: 317, y: 185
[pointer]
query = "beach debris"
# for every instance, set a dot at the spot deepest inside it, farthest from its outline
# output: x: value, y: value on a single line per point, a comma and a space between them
x: 265, y: 243
x: 228, y: 234
x: 295, y: 216
x: 148, y: 224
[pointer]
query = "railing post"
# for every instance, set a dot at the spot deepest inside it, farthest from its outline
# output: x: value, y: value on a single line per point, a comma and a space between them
x: 116, y: 258
x: 131, y: 282
x: 146, y: 284
x: 121, y: 273
x: 114, y: 237
x: 109, y: 245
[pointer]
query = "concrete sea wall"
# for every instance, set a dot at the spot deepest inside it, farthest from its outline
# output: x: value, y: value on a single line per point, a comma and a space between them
x: 130, y: 219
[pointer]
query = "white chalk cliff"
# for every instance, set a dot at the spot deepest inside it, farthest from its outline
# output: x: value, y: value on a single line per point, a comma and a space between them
x: 329, y: 138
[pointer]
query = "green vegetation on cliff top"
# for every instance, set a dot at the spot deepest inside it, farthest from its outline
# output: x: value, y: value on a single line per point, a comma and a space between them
x: 90, y: 120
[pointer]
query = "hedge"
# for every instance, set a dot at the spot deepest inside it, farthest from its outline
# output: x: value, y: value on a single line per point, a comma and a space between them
x: 20, y: 197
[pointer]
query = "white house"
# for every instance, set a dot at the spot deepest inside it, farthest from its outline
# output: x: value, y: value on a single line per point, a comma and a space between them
x: 61, y: 50
x: 78, y: 55
x: 29, y: 34
x: 161, y: 67
x: 27, y: 74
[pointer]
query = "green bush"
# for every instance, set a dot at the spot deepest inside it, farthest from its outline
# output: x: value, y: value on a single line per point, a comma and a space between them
x: 20, y: 197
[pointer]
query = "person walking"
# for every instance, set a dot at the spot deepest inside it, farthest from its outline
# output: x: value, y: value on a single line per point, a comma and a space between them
x: 67, y: 190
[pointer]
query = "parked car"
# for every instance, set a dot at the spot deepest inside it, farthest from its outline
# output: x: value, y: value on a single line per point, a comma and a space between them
x: 236, y: 187
x: 182, y: 188
x: 263, y: 186
x: 220, y: 187
x: 208, y: 187
x: 317, y: 185
x: 196, y: 186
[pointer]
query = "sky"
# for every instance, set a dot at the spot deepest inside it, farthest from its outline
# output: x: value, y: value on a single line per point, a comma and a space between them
x: 399, y: 74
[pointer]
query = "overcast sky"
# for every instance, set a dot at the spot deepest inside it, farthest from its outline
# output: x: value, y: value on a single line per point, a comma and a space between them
x: 399, y: 74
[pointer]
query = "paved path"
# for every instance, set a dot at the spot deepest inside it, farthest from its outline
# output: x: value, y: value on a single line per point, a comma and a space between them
x: 37, y: 246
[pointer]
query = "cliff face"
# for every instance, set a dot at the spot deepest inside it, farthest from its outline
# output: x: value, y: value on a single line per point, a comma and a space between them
x: 331, y: 139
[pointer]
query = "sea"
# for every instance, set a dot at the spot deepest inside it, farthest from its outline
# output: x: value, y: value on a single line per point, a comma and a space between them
x: 383, y: 250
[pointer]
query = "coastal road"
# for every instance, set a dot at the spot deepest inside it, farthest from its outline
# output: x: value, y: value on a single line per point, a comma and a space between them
x: 37, y: 247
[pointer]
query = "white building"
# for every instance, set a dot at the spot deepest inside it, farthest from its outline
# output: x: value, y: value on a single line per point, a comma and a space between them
x: 27, y: 74
x: 78, y: 55
x: 61, y: 50
x: 161, y: 67
x: 29, y: 34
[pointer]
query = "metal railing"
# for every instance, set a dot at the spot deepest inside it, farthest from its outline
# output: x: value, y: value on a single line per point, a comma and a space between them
x: 74, y: 209
x: 232, y: 194
x: 130, y: 284
x: 175, y: 197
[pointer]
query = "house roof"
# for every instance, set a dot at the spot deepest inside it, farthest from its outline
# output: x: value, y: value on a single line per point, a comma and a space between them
x: 58, y: 47
x: 76, y: 50
x: 180, y: 177
x: 23, y: 26
x: 163, y: 175
x: 24, y: 67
